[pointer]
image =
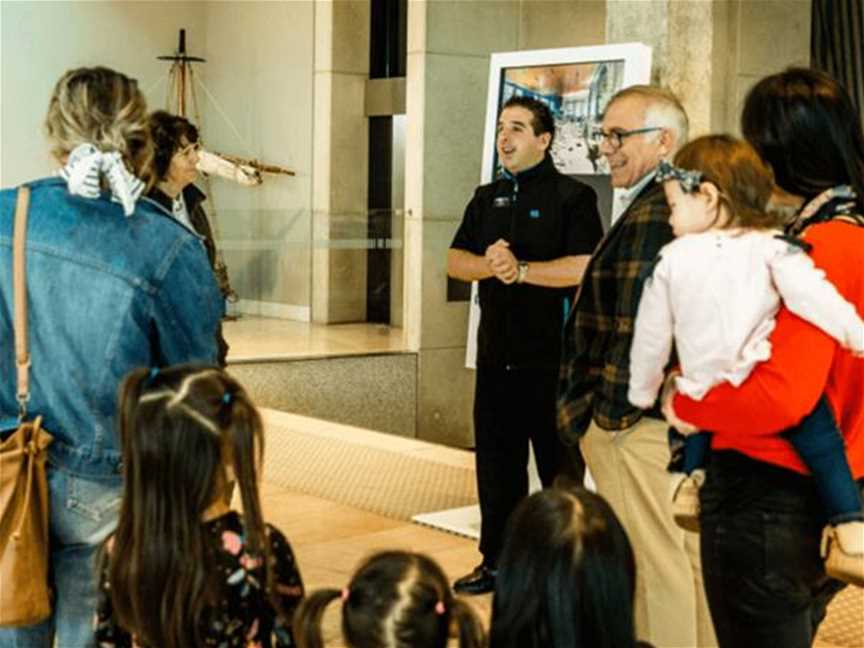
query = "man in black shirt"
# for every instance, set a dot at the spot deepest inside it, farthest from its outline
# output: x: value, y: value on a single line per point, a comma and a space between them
x: 526, y: 238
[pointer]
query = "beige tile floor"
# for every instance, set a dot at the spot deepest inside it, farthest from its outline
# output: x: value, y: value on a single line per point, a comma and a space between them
x: 331, y: 539
x: 260, y: 337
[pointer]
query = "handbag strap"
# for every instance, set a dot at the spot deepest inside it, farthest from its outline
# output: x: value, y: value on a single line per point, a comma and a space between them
x: 19, y: 286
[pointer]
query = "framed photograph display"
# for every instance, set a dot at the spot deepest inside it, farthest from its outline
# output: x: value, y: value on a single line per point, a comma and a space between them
x: 576, y: 83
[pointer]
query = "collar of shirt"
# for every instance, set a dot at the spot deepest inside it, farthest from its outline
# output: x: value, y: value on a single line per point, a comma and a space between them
x: 526, y: 174
x: 180, y: 212
x: 624, y: 197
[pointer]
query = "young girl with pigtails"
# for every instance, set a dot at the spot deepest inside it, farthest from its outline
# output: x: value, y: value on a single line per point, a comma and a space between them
x: 182, y: 569
x: 396, y: 599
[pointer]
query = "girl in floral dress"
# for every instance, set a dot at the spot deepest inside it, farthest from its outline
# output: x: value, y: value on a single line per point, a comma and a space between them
x: 182, y: 568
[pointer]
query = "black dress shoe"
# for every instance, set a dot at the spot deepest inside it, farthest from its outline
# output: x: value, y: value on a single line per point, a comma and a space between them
x: 479, y: 581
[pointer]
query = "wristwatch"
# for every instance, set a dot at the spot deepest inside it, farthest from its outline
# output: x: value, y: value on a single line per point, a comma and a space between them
x: 522, y: 272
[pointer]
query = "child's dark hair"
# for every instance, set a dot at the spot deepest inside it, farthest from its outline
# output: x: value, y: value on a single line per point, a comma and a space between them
x: 566, y: 575
x: 395, y: 599
x: 179, y: 428
x: 744, y: 180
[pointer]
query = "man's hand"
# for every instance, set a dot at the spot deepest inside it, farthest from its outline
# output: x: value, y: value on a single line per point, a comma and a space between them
x: 501, y: 261
x: 667, y: 397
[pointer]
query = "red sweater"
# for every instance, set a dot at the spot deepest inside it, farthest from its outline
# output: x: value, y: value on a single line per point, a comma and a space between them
x: 805, y: 363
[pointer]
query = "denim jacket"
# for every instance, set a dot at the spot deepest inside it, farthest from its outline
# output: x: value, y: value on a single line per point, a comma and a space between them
x: 106, y: 294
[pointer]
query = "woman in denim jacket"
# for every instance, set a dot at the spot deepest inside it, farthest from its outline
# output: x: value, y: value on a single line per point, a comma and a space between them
x: 112, y: 285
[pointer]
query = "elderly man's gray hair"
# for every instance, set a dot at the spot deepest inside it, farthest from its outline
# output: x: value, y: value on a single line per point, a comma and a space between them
x: 662, y: 108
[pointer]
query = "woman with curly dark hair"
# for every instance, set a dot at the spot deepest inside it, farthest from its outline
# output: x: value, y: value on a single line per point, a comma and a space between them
x: 174, y: 170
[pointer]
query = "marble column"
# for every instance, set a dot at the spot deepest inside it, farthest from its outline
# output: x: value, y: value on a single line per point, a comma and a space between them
x: 709, y: 52
x: 340, y: 161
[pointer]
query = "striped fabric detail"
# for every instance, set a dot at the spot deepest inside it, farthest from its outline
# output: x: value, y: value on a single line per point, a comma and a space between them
x: 85, y: 169
x: 837, y: 44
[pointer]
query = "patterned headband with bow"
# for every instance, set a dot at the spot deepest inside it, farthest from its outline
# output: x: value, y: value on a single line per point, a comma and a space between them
x: 87, y: 165
x: 689, y: 180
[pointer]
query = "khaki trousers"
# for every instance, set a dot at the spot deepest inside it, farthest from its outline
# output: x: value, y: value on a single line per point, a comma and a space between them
x: 629, y: 468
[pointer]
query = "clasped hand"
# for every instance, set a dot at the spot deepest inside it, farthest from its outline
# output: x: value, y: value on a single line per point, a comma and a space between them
x: 501, y: 261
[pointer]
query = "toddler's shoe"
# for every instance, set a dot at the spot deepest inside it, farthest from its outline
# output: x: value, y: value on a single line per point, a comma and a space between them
x: 843, y: 551
x: 685, y: 500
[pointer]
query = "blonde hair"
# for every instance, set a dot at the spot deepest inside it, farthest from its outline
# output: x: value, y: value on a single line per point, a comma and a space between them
x: 662, y: 108
x: 104, y: 108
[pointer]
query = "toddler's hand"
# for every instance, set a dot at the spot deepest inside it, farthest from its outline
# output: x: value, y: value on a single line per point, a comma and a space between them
x: 667, y: 397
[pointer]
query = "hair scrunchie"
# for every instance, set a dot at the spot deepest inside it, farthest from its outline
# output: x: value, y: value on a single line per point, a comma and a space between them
x: 87, y: 165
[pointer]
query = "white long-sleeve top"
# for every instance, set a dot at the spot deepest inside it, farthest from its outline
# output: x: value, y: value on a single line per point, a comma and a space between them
x: 716, y: 295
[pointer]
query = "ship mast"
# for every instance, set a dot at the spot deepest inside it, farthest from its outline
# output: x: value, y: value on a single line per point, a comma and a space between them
x: 182, y: 76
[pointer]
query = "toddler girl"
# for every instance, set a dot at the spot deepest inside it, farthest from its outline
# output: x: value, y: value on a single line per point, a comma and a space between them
x: 716, y: 290
x: 396, y: 599
x: 182, y: 569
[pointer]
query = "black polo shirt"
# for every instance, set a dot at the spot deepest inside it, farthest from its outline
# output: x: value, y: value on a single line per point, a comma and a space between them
x: 544, y: 215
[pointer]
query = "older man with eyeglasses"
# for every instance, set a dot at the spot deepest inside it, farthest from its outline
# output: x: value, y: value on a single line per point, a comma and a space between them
x: 626, y: 448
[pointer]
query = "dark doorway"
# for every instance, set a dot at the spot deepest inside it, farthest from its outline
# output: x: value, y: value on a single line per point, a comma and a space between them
x: 388, y: 48
x: 388, y: 39
x: 380, y: 229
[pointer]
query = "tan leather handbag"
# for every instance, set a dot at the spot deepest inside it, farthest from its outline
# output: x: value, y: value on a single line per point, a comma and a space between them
x: 25, y: 596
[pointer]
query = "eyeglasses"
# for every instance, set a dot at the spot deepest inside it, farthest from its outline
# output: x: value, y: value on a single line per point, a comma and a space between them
x: 187, y: 150
x: 616, y: 137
